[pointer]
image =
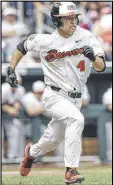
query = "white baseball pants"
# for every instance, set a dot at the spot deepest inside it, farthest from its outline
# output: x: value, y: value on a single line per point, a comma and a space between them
x: 67, y: 124
x: 15, y: 134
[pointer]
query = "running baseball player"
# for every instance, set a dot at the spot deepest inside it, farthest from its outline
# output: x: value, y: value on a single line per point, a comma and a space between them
x: 66, y: 55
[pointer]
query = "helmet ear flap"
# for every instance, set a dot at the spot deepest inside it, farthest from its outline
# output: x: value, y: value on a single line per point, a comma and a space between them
x: 57, y: 21
x: 55, y: 11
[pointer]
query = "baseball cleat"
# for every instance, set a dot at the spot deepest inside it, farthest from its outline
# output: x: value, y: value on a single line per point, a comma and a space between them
x: 72, y: 176
x: 26, y: 164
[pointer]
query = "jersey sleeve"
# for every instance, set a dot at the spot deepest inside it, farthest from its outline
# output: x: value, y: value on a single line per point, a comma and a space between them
x: 36, y: 41
x: 28, y: 101
x: 31, y: 43
x: 95, y: 44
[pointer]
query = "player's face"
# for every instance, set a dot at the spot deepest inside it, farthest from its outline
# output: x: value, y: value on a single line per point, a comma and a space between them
x: 39, y: 94
x: 69, y: 24
x: 10, y: 18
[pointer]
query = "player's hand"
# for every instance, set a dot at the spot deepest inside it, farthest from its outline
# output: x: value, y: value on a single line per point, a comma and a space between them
x: 89, y: 53
x: 11, y: 77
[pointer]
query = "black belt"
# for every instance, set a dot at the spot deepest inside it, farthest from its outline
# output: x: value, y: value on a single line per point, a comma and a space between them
x: 70, y: 94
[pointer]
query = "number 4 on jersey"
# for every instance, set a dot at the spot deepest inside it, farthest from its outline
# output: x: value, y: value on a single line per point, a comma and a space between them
x: 81, y: 66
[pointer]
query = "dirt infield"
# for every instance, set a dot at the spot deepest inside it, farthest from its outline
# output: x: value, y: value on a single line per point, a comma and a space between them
x: 13, y: 170
x: 35, y: 173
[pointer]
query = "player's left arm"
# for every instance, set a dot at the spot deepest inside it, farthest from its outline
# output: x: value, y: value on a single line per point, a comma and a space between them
x: 95, y: 53
x: 98, y: 61
x: 99, y: 64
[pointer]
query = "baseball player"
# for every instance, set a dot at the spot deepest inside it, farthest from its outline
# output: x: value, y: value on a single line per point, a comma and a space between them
x: 107, y: 102
x: 32, y: 104
x: 66, y: 55
x: 12, y: 125
x: 107, y: 99
x: 33, y: 99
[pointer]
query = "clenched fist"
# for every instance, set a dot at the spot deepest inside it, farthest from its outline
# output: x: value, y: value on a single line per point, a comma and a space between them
x: 11, y: 77
x: 89, y: 53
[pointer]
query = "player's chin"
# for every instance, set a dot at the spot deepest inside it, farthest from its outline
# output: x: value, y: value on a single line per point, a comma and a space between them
x: 72, y: 30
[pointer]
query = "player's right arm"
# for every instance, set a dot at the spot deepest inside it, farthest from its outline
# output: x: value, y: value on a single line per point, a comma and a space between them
x: 26, y: 45
x: 33, y: 42
x: 20, y: 51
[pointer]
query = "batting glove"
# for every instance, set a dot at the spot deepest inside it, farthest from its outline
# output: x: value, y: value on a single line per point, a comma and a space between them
x: 11, y: 77
x: 89, y: 53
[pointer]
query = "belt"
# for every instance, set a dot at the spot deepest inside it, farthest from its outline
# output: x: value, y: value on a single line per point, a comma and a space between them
x: 70, y: 94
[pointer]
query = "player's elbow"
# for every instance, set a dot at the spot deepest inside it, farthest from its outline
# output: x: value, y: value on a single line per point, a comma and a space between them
x: 21, y: 48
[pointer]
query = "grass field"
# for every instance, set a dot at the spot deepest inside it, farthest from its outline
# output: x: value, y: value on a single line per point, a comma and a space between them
x: 55, y: 176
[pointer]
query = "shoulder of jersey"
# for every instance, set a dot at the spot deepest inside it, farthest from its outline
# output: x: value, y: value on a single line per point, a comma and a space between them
x: 6, y: 86
x: 28, y: 95
x: 83, y: 32
x: 44, y: 39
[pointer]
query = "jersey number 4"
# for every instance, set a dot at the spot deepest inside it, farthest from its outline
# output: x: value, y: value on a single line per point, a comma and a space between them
x: 81, y: 66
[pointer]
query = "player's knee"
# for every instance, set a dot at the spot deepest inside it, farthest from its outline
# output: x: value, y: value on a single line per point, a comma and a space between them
x: 78, y: 120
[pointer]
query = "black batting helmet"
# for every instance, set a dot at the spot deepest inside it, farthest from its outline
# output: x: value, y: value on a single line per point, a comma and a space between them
x: 62, y: 9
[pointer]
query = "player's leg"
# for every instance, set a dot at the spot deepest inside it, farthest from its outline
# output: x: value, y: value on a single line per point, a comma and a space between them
x: 53, y: 135
x: 70, y: 118
x: 63, y: 111
x: 68, y: 113
x: 73, y: 147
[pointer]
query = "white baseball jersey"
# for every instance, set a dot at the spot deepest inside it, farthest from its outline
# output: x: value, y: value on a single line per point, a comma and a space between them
x: 29, y: 100
x: 107, y: 97
x: 9, y: 97
x: 63, y: 63
x: 20, y: 28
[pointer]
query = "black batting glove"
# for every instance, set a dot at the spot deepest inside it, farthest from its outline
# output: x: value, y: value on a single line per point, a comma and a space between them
x: 89, y: 53
x: 11, y: 77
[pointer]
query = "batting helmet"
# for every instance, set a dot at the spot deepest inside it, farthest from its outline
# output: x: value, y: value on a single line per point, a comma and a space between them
x: 62, y: 9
